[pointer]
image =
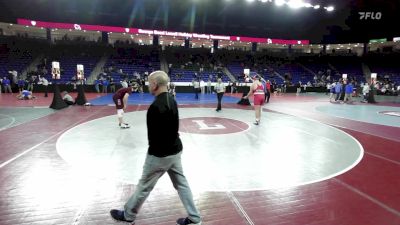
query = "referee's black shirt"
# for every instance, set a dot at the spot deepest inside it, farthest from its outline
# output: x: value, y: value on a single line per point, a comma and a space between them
x: 163, y: 126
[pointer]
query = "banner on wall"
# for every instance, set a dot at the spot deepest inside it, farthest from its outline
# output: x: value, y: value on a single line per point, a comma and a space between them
x: 83, y: 27
x: 55, y: 70
x: 80, y: 74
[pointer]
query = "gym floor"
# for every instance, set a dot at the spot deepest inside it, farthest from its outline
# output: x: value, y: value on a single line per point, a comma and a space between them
x: 308, y: 162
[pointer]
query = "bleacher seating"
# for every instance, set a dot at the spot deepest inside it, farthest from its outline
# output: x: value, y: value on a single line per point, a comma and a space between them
x: 68, y: 66
x: 9, y: 62
x: 385, y: 65
x: 15, y: 54
x: 294, y: 73
x: 137, y: 59
x: 185, y: 64
x: 350, y: 65
x: 236, y: 70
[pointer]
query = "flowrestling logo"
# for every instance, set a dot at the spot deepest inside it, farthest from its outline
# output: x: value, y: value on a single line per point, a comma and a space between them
x: 77, y: 27
x: 370, y: 15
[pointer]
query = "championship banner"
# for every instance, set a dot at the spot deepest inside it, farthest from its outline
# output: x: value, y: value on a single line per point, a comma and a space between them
x: 246, y: 75
x: 55, y: 70
x: 131, y: 30
x: 80, y: 74
x: 246, y: 72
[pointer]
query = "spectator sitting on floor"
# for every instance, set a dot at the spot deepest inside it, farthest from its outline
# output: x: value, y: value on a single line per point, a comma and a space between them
x: 68, y: 98
x: 25, y: 95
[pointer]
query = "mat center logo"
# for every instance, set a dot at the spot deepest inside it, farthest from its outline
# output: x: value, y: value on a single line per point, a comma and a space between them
x: 211, y: 125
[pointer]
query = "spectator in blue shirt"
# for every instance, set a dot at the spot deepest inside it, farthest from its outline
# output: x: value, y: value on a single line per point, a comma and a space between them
x: 97, y: 83
x: 7, y: 85
x: 348, y: 93
x: 332, y: 90
x: 338, y: 90
x: 105, y: 85
x: 21, y: 84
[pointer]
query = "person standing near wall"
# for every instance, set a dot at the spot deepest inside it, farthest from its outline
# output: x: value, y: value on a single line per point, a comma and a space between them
x: 220, y: 90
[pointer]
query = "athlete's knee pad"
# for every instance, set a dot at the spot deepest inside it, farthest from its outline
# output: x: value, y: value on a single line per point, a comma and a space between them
x: 120, y: 113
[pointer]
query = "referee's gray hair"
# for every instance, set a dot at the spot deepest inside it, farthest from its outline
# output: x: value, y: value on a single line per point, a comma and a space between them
x: 160, y: 77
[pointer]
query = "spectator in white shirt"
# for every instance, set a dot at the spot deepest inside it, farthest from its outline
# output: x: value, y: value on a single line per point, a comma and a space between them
x: 220, y: 89
x: 68, y: 98
x: 365, y: 92
x: 45, y: 84
x: 124, y: 84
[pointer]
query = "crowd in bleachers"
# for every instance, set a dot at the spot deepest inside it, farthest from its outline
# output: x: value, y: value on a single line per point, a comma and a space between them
x: 127, y: 63
x: 387, y: 66
x: 130, y: 62
x: 185, y: 64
